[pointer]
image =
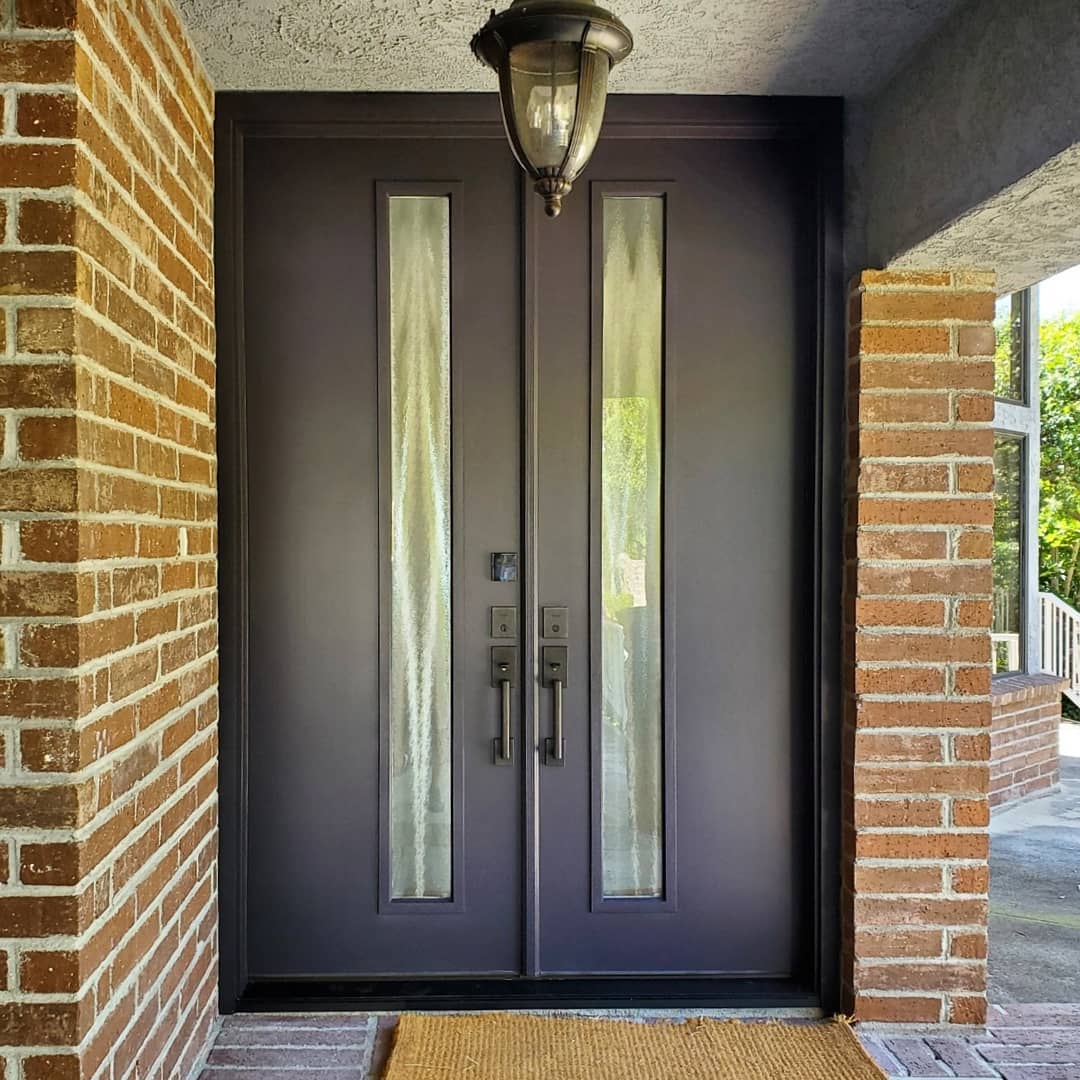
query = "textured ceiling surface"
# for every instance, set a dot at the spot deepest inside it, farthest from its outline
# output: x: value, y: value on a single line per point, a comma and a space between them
x: 842, y: 47
x: 1028, y: 231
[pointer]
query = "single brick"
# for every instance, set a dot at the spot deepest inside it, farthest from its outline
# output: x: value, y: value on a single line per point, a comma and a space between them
x: 30, y: 273
x: 974, y: 408
x: 49, y: 972
x: 48, y: 438
x: 45, y: 330
x: 27, y: 60
x: 875, y: 747
x: 37, y: 165
x: 46, y: 14
x: 903, y: 408
x: 899, y: 879
x: 895, y: 944
x: 928, y: 306
x: 898, y: 1010
x: 46, y: 221
x: 870, y: 278
x: 914, y: 613
x: 907, y: 813
x: 46, y: 116
x: 925, y: 375
x: 902, y: 544
x: 976, y: 341
x: 902, y: 340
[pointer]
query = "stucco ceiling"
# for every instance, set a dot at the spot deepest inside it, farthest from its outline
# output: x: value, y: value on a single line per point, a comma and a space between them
x: 846, y: 47
x: 1028, y: 231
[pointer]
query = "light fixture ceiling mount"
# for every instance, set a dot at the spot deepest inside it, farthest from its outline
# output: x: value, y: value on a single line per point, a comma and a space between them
x: 553, y: 58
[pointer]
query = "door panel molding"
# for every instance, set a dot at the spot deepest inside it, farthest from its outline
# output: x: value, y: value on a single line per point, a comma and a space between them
x: 454, y: 191
x: 668, y: 901
x: 817, y: 125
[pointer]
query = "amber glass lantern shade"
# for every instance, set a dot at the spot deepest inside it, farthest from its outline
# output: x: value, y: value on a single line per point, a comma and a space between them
x: 553, y: 58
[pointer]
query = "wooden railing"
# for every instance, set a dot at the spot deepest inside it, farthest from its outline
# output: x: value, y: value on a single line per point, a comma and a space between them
x: 1061, y: 642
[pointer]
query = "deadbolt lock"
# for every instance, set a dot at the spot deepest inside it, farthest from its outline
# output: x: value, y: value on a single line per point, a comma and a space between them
x: 504, y: 622
x: 555, y: 622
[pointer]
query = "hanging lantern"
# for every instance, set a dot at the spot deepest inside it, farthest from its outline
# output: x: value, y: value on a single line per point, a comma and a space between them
x: 553, y: 58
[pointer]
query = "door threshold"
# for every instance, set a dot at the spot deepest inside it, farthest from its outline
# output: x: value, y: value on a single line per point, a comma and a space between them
x: 756, y: 996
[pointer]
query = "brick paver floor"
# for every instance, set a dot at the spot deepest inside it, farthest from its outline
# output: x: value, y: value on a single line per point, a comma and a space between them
x: 1021, y: 1042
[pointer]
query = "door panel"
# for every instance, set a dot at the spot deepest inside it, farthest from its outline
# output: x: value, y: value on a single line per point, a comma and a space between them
x: 722, y: 581
x: 352, y: 595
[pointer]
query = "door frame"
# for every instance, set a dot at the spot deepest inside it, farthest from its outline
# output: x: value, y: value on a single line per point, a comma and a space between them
x: 817, y: 124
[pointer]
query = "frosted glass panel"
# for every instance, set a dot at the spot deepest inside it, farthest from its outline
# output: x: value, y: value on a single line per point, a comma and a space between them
x: 420, y: 647
x: 631, y: 564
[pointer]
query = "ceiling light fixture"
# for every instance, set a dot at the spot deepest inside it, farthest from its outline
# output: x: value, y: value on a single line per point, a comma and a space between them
x: 553, y: 58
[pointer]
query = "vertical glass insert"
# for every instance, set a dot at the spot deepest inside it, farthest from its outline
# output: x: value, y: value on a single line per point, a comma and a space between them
x: 420, y: 463
x: 631, y: 559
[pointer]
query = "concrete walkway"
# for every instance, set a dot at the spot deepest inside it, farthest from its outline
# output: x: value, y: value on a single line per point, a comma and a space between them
x: 1022, y: 1042
x: 1035, y: 892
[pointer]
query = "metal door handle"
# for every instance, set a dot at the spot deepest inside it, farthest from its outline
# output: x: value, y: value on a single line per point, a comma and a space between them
x: 554, y: 675
x: 506, y: 744
x: 558, y: 744
x: 503, y: 677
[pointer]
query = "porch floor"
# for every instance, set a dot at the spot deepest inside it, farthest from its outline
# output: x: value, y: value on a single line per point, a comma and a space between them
x: 1035, y: 891
x: 1022, y: 1042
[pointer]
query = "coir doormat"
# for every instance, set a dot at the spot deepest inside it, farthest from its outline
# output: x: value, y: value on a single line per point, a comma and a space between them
x: 520, y: 1046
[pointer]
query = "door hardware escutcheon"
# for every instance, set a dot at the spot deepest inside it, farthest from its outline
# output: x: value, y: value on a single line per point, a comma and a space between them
x: 553, y: 675
x: 504, y: 622
x: 555, y: 622
x: 504, y: 676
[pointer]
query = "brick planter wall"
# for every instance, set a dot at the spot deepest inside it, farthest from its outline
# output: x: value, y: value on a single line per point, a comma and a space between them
x: 917, y: 620
x: 1024, y: 737
x: 108, y: 921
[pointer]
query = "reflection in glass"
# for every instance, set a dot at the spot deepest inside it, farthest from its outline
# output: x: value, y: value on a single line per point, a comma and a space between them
x: 420, y: 650
x: 1008, y: 563
x: 594, y: 79
x: 1009, y: 351
x: 631, y: 565
x: 544, y: 79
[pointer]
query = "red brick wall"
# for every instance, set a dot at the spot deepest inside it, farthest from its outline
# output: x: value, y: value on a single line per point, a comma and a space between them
x: 1024, y: 737
x: 108, y: 701
x: 917, y: 620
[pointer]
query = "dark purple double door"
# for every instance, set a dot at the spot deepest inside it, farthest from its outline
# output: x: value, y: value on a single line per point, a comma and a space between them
x: 529, y: 558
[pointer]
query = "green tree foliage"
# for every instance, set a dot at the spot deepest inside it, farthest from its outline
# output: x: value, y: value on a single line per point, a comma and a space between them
x: 1008, y: 357
x: 1008, y: 518
x: 1059, y: 487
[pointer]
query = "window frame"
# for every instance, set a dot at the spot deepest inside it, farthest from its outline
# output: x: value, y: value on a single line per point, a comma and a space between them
x: 1023, y: 589
x: 1028, y: 304
x: 1022, y: 420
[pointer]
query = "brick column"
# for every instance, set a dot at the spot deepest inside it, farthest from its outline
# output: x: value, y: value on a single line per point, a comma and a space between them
x: 920, y: 509
x: 108, y: 699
